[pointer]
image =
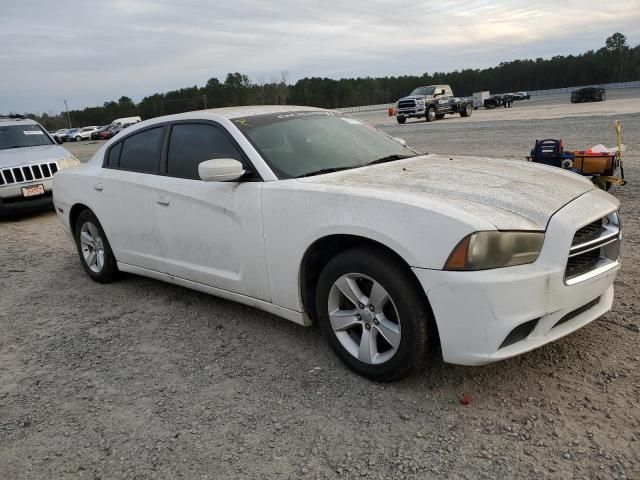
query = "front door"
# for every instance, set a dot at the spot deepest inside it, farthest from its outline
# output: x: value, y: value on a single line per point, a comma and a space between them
x: 211, y: 232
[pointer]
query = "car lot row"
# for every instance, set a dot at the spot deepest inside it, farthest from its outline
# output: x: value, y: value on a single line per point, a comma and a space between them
x: 94, y: 132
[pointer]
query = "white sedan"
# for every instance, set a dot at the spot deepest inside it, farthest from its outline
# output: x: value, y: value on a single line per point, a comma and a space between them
x: 315, y: 216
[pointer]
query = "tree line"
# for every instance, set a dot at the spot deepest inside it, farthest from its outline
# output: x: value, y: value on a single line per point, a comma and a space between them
x: 616, y: 61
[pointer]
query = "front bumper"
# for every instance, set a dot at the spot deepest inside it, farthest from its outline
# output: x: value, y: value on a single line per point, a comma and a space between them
x: 13, y: 203
x: 418, y: 111
x: 476, y: 312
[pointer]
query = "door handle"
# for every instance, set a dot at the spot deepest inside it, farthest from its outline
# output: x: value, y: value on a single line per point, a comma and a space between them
x: 98, y: 187
x: 162, y: 201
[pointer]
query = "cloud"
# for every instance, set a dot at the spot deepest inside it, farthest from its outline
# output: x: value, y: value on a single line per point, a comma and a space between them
x: 98, y: 51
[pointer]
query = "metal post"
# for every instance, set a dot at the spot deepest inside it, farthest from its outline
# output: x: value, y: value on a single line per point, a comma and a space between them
x: 67, y: 108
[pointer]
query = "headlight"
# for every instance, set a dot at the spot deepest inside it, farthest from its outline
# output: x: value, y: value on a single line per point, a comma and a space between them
x: 68, y: 162
x: 420, y: 101
x: 485, y: 250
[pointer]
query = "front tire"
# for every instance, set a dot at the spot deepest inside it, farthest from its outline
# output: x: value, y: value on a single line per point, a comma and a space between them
x: 430, y: 115
x: 374, y: 314
x: 78, y: 138
x: 401, y: 120
x: 94, y: 250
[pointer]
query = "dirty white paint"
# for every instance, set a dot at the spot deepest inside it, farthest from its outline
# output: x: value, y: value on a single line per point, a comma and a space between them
x: 246, y: 241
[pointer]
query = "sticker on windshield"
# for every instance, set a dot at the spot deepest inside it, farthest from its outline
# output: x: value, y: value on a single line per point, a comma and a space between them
x: 352, y: 121
x: 32, y: 132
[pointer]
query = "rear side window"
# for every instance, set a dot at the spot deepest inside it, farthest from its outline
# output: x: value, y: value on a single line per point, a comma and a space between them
x: 193, y: 143
x: 141, y: 152
x: 114, y: 155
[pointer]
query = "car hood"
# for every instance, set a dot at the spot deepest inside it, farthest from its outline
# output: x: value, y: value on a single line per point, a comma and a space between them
x: 16, y: 157
x: 506, y: 193
x: 417, y: 97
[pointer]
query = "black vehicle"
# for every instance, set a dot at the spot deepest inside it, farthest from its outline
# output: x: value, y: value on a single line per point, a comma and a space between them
x: 588, y: 94
x: 432, y: 102
x: 96, y: 135
x: 504, y: 100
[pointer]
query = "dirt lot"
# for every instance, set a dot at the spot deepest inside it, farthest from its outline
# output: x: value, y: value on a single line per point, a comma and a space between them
x: 139, y: 379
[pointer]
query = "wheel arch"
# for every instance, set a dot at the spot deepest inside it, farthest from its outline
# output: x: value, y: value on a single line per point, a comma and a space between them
x: 74, y: 213
x: 327, y: 247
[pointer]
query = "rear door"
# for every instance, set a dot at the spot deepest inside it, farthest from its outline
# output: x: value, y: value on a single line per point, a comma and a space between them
x: 211, y: 232
x: 125, y: 207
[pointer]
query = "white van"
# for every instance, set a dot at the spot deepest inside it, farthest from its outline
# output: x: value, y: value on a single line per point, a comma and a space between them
x: 119, y: 122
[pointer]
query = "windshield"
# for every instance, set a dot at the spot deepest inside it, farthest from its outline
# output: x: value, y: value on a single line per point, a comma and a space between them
x: 296, y: 144
x: 18, y: 136
x: 423, y: 91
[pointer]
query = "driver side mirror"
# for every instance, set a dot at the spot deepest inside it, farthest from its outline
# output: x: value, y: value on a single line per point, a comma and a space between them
x: 442, y: 92
x: 221, y: 170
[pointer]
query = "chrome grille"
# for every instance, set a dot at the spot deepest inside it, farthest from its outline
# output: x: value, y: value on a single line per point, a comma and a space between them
x: 405, y: 104
x: 594, y: 249
x: 27, y: 173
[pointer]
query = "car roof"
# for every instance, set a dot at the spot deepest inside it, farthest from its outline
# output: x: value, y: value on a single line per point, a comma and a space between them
x: 249, y: 111
x: 17, y: 121
x: 225, y: 112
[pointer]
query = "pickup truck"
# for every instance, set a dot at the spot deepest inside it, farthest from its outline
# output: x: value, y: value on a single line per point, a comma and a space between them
x: 432, y: 102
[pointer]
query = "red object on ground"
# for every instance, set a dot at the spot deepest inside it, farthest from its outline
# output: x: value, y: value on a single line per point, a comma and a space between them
x: 392, y: 111
x: 466, y: 399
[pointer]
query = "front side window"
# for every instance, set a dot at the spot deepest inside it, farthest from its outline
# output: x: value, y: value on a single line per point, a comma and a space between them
x: 297, y: 144
x: 141, y: 151
x: 192, y: 143
x: 19, y: 136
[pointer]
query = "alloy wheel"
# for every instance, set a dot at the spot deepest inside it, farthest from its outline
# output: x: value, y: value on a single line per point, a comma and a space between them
x: 364, y: 318
x: 92, y: 246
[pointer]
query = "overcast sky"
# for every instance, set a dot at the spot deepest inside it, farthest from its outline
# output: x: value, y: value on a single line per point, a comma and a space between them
x: 93, y: 51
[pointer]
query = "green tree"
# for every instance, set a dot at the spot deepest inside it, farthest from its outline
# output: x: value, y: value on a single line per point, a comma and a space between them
x: 616, y: 42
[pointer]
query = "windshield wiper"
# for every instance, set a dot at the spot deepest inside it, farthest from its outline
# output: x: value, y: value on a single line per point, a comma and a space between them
x: 324, y: 170
x: 390, y: 158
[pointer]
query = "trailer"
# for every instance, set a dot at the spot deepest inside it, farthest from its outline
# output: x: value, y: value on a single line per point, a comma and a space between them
x: 479, y: 98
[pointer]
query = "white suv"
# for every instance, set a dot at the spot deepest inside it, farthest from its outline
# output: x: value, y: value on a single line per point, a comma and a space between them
x: 84, y: 133
x: 29, y: 157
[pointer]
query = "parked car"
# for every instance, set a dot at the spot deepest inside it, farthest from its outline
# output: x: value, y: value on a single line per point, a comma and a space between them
x: 59, y: 135
x: 588, y: 94
x: 315, y: 216
x: 119, y: 122
x: 432, y: 102
x: 521, y: 96
x: 83, y: 133
x: 69, y: 135
x: 113, y: 130
x: 96, y: 134
x: 29, y: 157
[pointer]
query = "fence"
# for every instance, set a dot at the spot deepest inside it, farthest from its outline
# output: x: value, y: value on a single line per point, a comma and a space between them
x: 606, y: 86
x: 551, y: 91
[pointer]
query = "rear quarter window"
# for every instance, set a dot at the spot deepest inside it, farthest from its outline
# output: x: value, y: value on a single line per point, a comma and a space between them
x: 141, y: 152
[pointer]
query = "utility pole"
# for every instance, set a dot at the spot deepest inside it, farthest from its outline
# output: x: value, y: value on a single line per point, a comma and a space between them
x: 67, y: 107
x: 204, y: 97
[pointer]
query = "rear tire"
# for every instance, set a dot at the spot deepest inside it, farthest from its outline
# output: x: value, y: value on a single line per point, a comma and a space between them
x: 93, y: 248
x: 468, y: 110
x: 395, y: 328
x: 78, y: 138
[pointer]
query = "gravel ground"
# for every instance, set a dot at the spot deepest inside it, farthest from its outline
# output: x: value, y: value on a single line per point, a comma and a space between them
x: 140, y: 379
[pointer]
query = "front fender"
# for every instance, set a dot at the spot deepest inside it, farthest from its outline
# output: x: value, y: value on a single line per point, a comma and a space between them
x: 297, y: 215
